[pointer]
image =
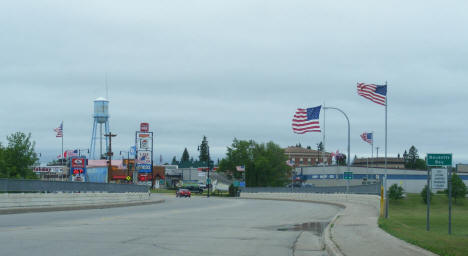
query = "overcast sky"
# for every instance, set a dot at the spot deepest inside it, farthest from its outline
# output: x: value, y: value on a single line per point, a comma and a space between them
x: 229, y: 69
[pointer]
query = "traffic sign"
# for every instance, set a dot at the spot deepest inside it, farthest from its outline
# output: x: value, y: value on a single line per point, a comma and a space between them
x: 208, y: 181
x: 439, y: 160
x: 236, y: 183
x: 128, y: 178
x: 348, y: 175
x: 439, y: 179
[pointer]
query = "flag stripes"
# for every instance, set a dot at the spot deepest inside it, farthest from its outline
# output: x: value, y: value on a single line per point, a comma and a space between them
x: 306, y: 120
x: 375, y: 93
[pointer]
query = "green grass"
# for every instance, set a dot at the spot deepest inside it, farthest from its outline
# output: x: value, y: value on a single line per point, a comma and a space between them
x: 407, y: 221
x: 163, y: 191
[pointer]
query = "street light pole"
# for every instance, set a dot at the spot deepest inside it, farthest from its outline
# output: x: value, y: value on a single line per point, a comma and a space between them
x: 349, y: 146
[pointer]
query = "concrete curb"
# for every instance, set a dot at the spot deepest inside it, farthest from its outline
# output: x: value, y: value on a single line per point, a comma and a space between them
x: 77, y: 207
x: 329, y: 244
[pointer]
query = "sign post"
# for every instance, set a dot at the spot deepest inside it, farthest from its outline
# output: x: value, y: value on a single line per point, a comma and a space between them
x: 439, y: 180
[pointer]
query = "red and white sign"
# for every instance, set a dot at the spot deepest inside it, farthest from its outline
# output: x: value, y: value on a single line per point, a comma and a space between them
x: 78, y: 162
x: 144, y: 127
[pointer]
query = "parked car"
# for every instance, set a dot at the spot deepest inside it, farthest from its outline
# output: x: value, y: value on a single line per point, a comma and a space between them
x: 183, y: 193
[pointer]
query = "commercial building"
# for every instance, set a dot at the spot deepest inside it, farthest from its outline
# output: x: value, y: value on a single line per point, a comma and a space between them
x: 300, y: 156
x: 379, y: 162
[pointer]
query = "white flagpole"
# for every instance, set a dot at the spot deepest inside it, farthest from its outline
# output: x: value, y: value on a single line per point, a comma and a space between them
x: 385, y: 165
x: 323, y: 139
x: 62, y: 143
x: 372, y: 149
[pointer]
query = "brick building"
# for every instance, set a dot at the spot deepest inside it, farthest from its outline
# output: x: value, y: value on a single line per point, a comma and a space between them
x: 307, y: 157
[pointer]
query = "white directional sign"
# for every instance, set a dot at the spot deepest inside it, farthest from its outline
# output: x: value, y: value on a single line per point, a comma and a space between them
x: 439, y: 178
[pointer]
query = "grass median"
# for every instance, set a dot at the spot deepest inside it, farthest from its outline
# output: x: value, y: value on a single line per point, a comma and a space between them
x: 407, y: 221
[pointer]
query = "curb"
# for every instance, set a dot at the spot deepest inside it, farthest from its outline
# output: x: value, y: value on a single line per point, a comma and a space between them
x: 75, y: 207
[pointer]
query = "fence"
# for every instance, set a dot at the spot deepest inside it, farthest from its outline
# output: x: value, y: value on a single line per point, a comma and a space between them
x: 13, y: 185
x: 372, y: 189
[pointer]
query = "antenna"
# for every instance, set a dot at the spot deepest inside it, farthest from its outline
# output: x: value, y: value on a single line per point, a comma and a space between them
x: 107, y: 88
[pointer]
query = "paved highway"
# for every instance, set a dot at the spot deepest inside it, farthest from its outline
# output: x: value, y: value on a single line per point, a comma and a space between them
x: 196, y: 226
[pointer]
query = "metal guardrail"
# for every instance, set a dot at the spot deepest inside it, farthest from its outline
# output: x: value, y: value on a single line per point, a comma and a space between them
x: 372, y: 189
x: 13, y: 185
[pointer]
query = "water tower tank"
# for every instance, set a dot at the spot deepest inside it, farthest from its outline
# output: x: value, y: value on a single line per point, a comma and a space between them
x: 101, y: 110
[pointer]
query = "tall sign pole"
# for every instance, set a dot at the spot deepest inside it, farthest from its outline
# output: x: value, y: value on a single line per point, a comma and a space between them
x: 439, y: 179
x: 109, y: 155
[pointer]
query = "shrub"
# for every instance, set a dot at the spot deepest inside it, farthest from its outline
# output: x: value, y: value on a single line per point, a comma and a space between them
x: 395, y: 192
x: 424, y: 194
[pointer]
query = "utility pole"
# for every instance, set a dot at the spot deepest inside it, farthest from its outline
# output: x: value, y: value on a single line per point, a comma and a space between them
x: 109, y: 155
x: 377, y: 152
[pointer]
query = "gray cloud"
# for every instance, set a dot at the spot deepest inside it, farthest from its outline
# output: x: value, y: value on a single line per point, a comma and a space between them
x: 229, y: 69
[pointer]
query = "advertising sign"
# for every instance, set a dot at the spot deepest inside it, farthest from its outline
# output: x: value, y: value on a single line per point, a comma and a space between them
x: 144, y: 157
x: 144, y: 149
x: 144, y: 143
x: 439, y: 178
x: 144, y: 127
x: 78, y: 162
x: 78, y: 169
x: 78, y: 174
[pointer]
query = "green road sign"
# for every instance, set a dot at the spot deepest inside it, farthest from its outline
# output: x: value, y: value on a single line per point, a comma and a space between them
x: 208, y: 181
x: 439, y: 160
x: 348, y: 175
x: 236, y: 183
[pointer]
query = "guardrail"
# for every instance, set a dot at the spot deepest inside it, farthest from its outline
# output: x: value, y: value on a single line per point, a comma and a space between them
x: 371, y: 189
x: 14, y: 185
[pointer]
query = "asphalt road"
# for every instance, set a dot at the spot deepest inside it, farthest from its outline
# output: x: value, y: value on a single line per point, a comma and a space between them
x: 196, y: 226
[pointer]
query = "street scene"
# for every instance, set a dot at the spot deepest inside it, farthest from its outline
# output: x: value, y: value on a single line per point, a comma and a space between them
x: 233, y: 128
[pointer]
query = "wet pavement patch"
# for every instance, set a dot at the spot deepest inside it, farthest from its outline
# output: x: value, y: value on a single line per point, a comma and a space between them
x: 315, y: 227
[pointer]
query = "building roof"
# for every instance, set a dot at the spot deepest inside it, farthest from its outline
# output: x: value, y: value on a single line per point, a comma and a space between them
x: 301, y: 150
x: 379, y: 160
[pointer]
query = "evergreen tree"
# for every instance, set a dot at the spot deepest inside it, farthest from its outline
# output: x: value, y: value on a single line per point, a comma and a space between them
x: 204, y: 151
x: 185, y: 157
x: 412, y: 157
x: 458, y: 187
x: 174, y: 161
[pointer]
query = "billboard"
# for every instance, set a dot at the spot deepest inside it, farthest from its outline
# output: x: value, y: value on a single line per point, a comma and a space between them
x: 144, y: 149
x: 78, y: 169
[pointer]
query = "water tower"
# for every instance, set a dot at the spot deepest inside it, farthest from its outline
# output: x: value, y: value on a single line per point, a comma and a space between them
x: 101, y: 117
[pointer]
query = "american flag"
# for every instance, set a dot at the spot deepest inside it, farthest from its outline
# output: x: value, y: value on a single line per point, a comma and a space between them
x: 306, y: 120
x: 59, y: 131
x: 367, y: 137
x: 375, y: 93
x: 240, y: 168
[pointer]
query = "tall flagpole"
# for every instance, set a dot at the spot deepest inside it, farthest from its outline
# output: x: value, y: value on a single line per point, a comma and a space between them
x: 62, y: 144
x: 323, y: 139
x: 385, y: 165
x: 372, y: 150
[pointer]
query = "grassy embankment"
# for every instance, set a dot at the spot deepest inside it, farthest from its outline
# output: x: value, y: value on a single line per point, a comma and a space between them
x: 407, y: 221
